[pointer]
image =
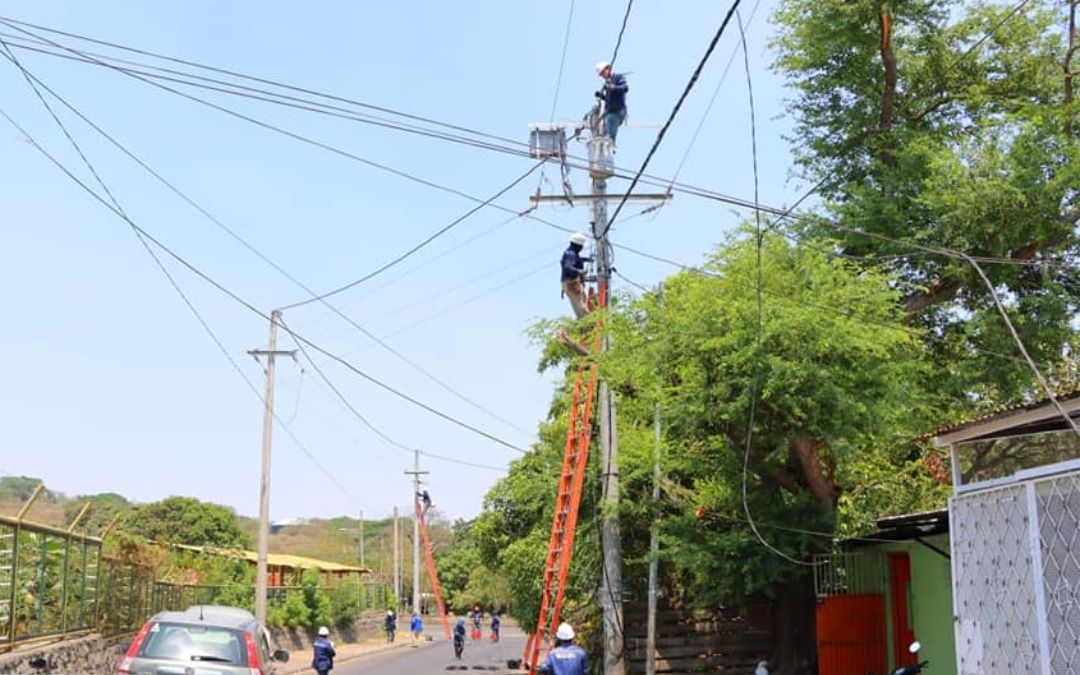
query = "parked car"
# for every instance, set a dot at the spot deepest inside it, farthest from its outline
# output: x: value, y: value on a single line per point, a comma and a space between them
x: 227, y: 640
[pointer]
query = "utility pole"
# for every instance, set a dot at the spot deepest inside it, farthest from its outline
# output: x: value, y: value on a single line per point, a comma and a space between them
x: 416, y: 473
x: 397, y: 560
x: 654, y: 530
x: 271, y: 353
x: 549, y: 141
x: 361, y: 538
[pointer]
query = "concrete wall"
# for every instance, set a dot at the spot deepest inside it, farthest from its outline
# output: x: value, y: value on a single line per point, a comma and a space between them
x: 91, y: 654
x: 930, y: 605
x: 366, y: 626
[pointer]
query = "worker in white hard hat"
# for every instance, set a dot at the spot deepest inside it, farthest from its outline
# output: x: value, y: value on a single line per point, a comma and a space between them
x: 573, y: 271
x: 566, y: 658
x: 323, y: 660
x: 613, y: 94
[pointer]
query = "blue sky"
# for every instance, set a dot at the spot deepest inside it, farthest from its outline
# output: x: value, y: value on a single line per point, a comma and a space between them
x: 109, y: 382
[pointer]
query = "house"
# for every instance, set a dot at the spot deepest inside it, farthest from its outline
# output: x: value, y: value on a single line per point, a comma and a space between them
x: 882, y: 592
x: 1015, y: 538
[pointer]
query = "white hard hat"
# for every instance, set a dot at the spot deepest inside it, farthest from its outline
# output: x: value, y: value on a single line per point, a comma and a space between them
x: 578, y: 238
x: 323, y: 631
x: 389, y: 612
x: 565, y: 632
x: 600, y: 65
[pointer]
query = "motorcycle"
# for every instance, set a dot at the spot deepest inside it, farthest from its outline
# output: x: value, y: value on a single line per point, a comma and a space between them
x: 916, y: 667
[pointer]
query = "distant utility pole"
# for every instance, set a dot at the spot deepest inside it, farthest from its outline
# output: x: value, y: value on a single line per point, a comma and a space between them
x: 361, y: 538
x: 654, y: 529
x: 397, y: 559
x: 416, y: 473
x: 271, y: 353
x: 550, y: 141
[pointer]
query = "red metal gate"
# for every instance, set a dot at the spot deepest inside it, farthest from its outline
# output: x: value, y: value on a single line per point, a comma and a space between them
x: 851, y: 634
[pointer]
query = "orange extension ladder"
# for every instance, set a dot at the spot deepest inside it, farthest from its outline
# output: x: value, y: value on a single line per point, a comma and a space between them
x: 575, y: 458
x: 433, y: 573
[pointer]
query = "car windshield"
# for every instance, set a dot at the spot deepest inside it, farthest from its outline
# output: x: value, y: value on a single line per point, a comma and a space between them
x: 185, y: 642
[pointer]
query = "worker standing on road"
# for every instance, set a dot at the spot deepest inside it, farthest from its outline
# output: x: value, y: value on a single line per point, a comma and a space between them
x: 477, y: 615
x: 417, y: 627
x: 566, y: 658
x: 573, y: 271
x: 323, y: 660
x: 496, y: 621
x: 459, y: 637
x: 391, y: 626
x: 613, y: 94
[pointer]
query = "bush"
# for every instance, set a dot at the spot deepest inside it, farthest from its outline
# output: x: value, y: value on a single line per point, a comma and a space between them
x: 343, y: 603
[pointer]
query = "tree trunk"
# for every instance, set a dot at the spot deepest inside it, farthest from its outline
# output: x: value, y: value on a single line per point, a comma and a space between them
x: 794, y: 637
x: 1067, y: 65
x: 888, y: 93
x: 808, y: 452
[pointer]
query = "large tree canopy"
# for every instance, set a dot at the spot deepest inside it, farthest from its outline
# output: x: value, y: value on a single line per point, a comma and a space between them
x: 186, y: 520
x: 947, y: 124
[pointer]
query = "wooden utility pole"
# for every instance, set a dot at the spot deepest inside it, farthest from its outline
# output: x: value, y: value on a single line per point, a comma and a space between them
x: 397, y: 560
x: 270, y: 353
x: 361, y: 538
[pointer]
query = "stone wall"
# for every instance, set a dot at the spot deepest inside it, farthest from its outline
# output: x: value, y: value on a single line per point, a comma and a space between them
x: 91, y: 654
x: 366, y: 626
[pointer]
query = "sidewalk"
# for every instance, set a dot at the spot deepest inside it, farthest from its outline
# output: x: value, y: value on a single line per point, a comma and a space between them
x: 300, y: 661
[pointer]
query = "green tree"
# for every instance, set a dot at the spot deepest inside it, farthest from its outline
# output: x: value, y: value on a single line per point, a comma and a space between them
x: 103, y: 507
x: 947, y: 124
x: 186, y: 520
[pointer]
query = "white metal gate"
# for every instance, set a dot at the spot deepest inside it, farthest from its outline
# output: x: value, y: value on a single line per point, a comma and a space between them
x: 1016, y: 577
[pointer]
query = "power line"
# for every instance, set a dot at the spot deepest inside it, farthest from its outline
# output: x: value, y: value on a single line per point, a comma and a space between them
x: 412, y: 364
x: 252, y: 308
x: 622, y: 29
x: 420, y: 245
x: 671, y: 117
x: 168, y: 275
x: 562, y: 60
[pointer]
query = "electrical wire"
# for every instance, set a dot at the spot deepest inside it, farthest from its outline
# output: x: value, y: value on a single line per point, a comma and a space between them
x: 249, y: 306
x: 409, y: 362
x: 622, y: 29
x: 420, y: 245
x: 671, y: 117
x: 760, y: 317
x: 562, y: 61
x: 140, y: 236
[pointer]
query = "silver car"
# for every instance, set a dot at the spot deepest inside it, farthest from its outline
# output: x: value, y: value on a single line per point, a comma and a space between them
x: 202, y: 640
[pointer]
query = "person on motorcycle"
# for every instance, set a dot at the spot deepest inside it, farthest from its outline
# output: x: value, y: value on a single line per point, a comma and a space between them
x: 459, y: 637
x: 566, y: 658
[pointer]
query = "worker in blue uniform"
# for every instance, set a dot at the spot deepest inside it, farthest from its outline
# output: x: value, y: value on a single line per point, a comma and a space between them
x: 572, y: 274
x: 566, y: 658
x: 613, y: 94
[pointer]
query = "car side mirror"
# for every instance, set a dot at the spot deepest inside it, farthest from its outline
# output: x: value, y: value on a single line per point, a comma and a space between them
x: 914, y: 647
x: 280, y: 655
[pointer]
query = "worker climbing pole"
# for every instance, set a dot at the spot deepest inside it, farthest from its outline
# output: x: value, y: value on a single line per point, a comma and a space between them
x: 433, y: 573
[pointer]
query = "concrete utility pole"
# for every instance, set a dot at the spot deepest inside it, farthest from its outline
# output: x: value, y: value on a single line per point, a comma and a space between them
x: 397, y: 560
x: 549, y: 141
x: 361, y: 537
x: 416, y: 473
x: 654, y: 532
x: 270, y: 353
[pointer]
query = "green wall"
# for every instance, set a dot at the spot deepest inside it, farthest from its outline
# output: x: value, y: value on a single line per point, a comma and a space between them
x: 930, y: 605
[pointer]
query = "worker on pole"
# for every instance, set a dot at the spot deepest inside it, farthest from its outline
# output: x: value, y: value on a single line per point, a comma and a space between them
x: 613, y: 94
x: 573, y: 273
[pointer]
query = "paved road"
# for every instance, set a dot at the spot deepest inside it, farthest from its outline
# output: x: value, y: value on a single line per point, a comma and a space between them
x: 437, y: 658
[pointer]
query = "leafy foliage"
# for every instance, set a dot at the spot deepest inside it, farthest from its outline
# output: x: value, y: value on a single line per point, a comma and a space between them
x: 186, y: 520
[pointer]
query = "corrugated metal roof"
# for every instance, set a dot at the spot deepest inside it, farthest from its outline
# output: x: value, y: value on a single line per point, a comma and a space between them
x: 1000, y: 412
x: 276, y: 559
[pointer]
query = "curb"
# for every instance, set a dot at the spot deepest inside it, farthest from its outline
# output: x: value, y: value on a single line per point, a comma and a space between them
x: 291, y: 670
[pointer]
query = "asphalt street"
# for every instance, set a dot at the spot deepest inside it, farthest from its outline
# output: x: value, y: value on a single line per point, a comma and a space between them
x: 437, y: 658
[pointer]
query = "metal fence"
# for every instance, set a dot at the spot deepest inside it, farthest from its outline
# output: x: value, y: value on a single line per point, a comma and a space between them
x: 1016, y: 576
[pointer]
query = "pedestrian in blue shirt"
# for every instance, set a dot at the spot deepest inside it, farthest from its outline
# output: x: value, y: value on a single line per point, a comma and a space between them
x: 613, y: 94
x: 566, y: 658
x: 323, y: 660
x: 417, y: 627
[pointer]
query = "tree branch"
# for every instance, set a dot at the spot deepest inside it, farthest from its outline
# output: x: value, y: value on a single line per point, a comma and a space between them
x: 737, y: 443
x: 808, y: 452
x: 888, y: 94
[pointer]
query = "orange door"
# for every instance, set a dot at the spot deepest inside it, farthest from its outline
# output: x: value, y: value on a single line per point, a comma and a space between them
x: 899, y: 586
x: 851, y: 634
